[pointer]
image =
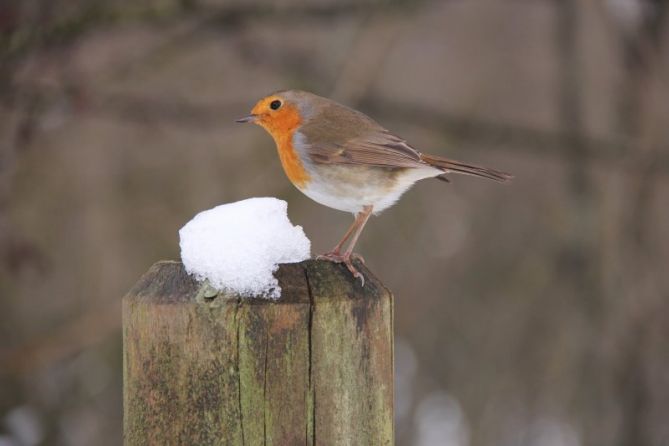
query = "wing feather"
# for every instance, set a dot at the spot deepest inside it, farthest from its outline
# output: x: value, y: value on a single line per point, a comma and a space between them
x: 340, y: 135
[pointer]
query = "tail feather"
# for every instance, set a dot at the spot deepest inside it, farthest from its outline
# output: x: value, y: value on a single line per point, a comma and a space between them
x: 468, y: 169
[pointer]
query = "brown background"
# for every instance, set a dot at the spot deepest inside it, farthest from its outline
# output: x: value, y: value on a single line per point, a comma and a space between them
x: 535, y: 313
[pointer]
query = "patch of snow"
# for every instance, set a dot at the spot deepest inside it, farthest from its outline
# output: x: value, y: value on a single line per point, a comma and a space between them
x: 550, y: 431
x: 440, y: 420
x: 238, y: 246
x: 24, y: 424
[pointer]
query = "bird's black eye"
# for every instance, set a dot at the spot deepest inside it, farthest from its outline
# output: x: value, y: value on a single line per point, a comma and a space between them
x: 275, y: 104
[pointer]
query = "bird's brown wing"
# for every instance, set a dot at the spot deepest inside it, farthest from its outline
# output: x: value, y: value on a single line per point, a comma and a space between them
x: 342, y: 135
x: 382, y: 150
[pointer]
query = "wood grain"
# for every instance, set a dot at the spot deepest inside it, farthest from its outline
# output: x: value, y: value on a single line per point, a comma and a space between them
x: 314, y: 367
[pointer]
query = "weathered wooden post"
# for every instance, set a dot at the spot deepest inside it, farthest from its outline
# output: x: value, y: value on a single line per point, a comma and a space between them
x: 312, y: 368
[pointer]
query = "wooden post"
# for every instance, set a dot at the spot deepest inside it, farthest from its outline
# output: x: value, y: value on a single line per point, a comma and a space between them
x: 314, y: 367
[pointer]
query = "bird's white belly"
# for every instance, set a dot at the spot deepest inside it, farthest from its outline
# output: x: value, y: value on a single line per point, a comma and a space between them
x: 379, y: 190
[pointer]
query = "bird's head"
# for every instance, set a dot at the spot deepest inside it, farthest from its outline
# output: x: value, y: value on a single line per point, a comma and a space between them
x: 279, y: 113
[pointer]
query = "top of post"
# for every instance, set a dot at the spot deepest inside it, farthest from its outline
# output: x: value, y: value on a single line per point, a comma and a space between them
x: 167, y: 282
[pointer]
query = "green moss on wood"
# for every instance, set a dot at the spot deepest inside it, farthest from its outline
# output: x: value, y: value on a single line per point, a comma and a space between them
x: 314, y: 367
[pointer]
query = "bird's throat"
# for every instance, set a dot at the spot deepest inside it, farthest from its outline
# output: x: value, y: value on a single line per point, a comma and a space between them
x: 290, y: 160
x: 282, y: 126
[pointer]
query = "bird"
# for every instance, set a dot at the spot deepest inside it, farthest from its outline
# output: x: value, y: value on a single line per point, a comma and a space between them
x: 343, y: 159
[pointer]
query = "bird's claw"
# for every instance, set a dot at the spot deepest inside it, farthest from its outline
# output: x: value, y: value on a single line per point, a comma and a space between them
x: 357, y: 274
x: 347, y: 261
x: 331, y: 256
x: 357, y: 257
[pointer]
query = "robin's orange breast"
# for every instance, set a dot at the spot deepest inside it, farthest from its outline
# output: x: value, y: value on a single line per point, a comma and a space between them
x: 282, y: 127
x: 291, y: 162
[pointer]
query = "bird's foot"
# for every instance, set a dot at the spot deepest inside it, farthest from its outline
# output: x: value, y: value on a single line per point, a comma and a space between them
x: 357, y: 257
x: 337, y: 257
x: 332, y: 256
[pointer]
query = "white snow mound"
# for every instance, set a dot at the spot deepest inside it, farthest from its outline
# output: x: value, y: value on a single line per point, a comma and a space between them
x: 238, y: 246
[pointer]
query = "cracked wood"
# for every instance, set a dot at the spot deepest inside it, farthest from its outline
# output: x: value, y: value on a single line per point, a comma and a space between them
x: 314, y: 367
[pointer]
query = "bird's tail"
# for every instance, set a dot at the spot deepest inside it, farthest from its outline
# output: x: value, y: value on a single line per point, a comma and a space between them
x: 468, y: 169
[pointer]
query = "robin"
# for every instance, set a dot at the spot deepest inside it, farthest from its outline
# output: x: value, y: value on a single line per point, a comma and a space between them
x: 343, y: 159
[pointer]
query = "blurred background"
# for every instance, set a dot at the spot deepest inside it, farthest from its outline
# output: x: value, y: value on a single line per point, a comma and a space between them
x: 535, y: 313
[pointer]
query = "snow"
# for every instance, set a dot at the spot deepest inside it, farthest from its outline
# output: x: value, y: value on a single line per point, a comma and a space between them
x: 238, y: 246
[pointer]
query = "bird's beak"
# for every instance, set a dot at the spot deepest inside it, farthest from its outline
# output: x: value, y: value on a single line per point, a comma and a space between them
x: 249, y: 118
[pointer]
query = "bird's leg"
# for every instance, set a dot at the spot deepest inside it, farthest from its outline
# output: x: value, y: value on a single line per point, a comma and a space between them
x: 336, y: 251
x: 356, y: 229
x: 363, y: 216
